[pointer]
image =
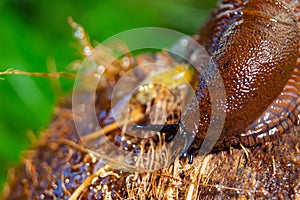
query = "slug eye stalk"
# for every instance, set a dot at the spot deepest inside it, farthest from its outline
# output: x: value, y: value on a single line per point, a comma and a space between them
x: 169, y: 129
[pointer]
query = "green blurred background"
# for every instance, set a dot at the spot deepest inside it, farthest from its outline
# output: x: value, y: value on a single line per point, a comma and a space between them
x: 35, y: 32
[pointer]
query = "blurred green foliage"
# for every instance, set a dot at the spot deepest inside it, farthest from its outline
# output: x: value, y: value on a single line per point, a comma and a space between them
x: 34, y: 32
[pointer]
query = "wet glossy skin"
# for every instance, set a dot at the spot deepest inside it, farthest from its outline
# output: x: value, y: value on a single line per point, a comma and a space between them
x: 256, y: 46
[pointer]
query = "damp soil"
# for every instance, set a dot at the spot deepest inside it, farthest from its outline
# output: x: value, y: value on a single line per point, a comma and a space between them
x: 58, y: 167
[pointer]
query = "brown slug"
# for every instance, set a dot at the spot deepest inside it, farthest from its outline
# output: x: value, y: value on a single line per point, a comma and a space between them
x: 256, y: 46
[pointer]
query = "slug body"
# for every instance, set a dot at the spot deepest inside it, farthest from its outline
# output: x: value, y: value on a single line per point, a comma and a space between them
x: 255, y: 44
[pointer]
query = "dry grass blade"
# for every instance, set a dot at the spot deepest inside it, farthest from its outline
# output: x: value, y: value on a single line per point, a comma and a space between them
x: 46, y: 75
